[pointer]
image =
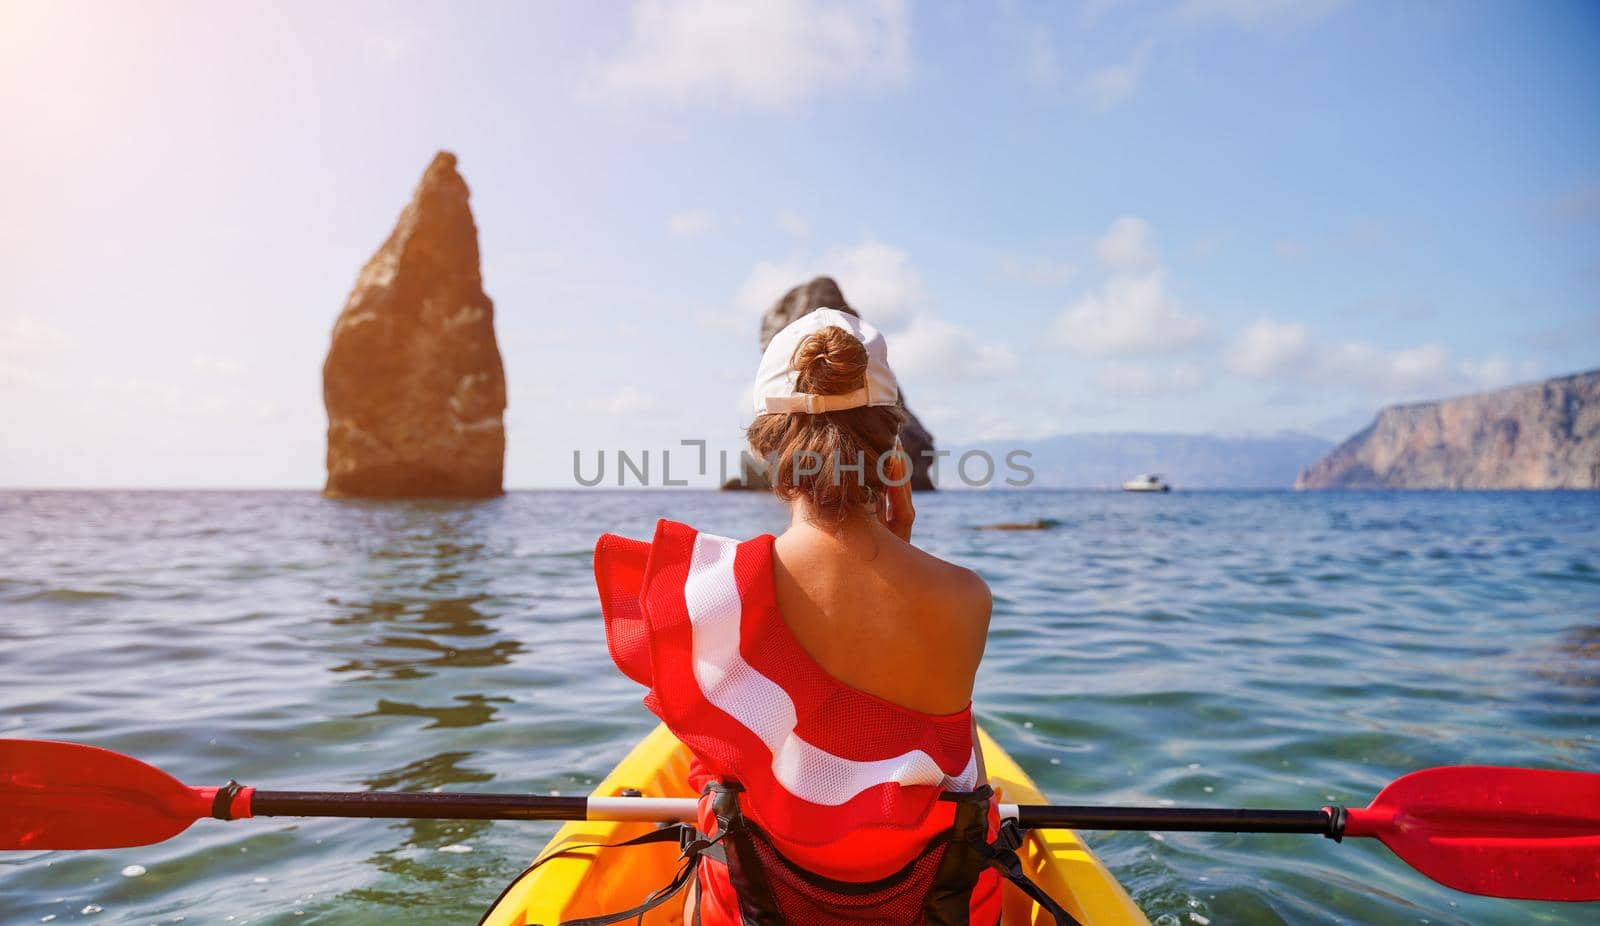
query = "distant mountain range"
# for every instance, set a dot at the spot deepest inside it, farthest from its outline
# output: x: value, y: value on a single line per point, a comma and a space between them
x: 1186, y: 461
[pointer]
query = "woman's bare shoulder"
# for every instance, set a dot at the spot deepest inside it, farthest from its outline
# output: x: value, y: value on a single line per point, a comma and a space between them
x: 946, y: 577
x: 955, y: 596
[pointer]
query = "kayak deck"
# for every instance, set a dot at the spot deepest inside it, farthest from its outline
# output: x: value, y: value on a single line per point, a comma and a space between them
x: 590, y: 881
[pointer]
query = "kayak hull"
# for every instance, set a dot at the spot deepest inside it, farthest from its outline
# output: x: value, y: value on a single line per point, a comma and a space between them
x: 591, y: 882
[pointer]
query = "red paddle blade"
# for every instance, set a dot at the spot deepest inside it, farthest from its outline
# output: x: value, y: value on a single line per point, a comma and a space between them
x: 67, y: 796
x: 1503, y: 832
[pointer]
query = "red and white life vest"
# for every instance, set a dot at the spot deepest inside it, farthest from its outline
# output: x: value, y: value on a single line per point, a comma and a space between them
x: 843, y: 782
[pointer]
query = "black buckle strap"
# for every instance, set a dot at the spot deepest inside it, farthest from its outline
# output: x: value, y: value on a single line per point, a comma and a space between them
x: 693, y: 847
x: 978, y: 795
x: 680, y: 880
x: 757, y: 905
x: 1002, y: 855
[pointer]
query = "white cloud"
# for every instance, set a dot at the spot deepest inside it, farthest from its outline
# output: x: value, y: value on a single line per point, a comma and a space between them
x: 773, y: 53
x: 1039, y: 271
x: 1129, y: 314
x: 1040, y: 63
x: 689, y: 223
x: 156, y: 395
x: 1129, y: 244
x: 999, y: 414
x: 1290, y: 249
x: 525, y: 336
x: 1253, y: 14
x: 625, y: 401
x: 878, y: 280
x: 266, y: 410
x: 1092, y: 11
x: 795, y: 224
x: 769, y: 280
x: 533, y: 265
x: 1424, y: 369
x: 1269, y: 349
x: 216, y: 366
x: 936, y: 348
x: 1492, y: 371
x: 722, y: 321
x: 1117, y: 83
x: 28, y: 348
x: 20, y: 375
x: 388, y: 40
x: 1206, y: 246
x: 23, y: 335
x: 1143, y: 380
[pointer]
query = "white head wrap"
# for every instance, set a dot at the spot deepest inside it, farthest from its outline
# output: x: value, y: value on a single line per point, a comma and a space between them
x: 775, y: 392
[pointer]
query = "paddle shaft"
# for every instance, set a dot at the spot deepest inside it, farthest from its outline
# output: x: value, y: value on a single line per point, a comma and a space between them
x: 1325, y: 822
x: 437, y: 806
x: 398, y: 804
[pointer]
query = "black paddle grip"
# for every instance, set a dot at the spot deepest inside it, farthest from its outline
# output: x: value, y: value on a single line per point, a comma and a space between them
x: 1181, y: 819
x: 426, y: 806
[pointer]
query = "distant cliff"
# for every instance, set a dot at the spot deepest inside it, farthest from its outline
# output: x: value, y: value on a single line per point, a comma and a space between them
x: 1538, y: 436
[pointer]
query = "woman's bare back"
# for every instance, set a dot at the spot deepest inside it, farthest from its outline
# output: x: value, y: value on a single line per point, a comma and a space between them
x: 883, y: 616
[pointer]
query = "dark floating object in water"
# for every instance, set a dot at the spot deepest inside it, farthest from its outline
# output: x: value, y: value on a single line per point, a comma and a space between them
x: 1038, y: 524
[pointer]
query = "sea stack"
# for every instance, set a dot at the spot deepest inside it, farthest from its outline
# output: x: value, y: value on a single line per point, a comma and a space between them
x: 1536, y: 436
x: 824, y: 293
x: 413, y: 384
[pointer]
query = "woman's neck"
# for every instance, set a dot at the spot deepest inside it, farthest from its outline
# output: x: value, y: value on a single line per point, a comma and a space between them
x: 804, y: 515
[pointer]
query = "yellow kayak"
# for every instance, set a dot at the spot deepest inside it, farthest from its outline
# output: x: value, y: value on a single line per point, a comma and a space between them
x: 590, y: 882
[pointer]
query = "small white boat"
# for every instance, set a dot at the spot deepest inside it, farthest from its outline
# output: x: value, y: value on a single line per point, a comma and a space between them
x: 1148, y: 482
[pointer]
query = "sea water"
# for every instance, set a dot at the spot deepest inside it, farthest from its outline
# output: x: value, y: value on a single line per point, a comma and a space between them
x: 1227, y: 649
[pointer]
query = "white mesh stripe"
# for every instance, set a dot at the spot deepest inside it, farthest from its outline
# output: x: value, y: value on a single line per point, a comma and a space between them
x: 724, y: 677
x: 761, y: 705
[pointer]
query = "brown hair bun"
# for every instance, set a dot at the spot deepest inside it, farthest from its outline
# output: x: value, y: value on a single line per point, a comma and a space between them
x: 831, y: 459
x: 830, y: 362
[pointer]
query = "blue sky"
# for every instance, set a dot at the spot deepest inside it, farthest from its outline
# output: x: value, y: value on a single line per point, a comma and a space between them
x: 1222, y: 216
